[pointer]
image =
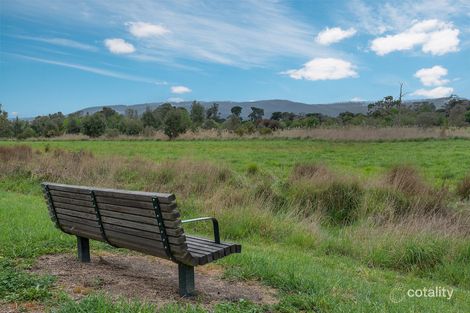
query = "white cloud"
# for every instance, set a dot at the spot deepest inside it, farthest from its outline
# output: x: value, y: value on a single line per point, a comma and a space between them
x: 119, y: 46
x: 180, y: 89
x: 145, y: 30
x: 332, y: 35
x: 432, y: 76
x: 15, y: 114
x: 434, y: 36
x: 324, y: 69
x: 438, y: 92
x: 175, y: 99
x: 357, y: 99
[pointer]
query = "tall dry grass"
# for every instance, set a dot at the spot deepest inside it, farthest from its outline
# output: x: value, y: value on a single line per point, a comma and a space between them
x: 353, y: 133
x: 390, y: 222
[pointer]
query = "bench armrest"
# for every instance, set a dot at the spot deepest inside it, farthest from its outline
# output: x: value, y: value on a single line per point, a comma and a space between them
x: 215, y: 225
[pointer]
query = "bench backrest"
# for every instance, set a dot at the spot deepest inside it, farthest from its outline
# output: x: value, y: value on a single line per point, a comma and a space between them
x: 141, y: 221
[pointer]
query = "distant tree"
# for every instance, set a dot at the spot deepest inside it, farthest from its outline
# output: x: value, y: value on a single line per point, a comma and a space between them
x: 109, y: 112
x: 467, y: 116
x: 277, y: 116
x: 131, y: 126
x: 94, y: 125
x: 132, y: 114
x: 457, y: 115
x: 27, y: 132
x: 256, y: 114
x: 72, y: 125
x: 346, y: 117
x: 236, y: 110
x: 197, y: 114
x: 177, y: 121
x: 161, y: 111
x: 149, y: 119
x: 6, y: 130
x: 427, y: 119
x: 212, y: 112
x: 232, y: 122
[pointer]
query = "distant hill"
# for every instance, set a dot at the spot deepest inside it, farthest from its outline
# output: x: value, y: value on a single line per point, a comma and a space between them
x: 269, y: 106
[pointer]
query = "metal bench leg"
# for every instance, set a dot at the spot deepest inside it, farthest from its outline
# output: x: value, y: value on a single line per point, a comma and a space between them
x: 186, y: 280
x: 83, y: 247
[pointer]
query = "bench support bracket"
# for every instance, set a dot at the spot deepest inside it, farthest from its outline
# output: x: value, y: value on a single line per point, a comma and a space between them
x: 186, y: 280
x: 83, y: 247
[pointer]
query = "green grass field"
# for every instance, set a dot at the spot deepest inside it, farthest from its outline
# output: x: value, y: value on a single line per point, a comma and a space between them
x: 438, y: 159
x: 315, y: 268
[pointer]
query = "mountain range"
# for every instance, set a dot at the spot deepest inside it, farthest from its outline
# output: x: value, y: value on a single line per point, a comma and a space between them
x: 269, y: 106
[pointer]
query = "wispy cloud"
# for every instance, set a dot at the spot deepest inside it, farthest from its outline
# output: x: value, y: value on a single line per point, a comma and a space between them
x: 95, y: 70
x: 239, y: 33
x: 377, y: 17
x: 63, y: 42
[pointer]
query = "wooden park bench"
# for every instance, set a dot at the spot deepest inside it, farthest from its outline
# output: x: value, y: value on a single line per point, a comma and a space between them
x: 142, y: 221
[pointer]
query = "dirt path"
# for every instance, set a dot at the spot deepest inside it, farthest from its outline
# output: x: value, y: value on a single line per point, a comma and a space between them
x: 147, y: 279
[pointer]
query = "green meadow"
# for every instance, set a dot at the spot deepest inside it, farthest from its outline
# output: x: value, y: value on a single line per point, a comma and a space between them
x: 438, y: 159
x: 318, y: 258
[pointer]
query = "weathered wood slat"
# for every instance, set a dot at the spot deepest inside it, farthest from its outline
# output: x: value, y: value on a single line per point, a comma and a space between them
x: 169, y: 212
x: 176, y: 232
x: 81, y: 232
x: 124, y: 202
x: 77, y: 220
x: 135, y: 195
x: 83, y: 215
x: 76, y: 208
x: 216, y: 252
x: 84, y: 203
x: 139, y: 219
x: 145, y: 234
x: 226, y: 249
x: 71, y: 195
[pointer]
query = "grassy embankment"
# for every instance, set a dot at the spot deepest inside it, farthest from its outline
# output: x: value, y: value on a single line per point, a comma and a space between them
x: 394, y: 228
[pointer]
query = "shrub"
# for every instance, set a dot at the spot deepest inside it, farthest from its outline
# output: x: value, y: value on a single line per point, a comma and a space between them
x: 265, y: 131
x: 341, y: 201
x: 463, y: 188
x: 94, y: 125
x: 308, y: 170
x: 405, y: 179
x: 111, y: 133
x: 28, y: 132
x: 252, y: 168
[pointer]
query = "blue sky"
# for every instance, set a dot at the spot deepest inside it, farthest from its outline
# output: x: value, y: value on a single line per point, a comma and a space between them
x: 60, y: 55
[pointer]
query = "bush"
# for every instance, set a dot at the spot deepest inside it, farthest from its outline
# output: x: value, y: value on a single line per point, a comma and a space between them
x: 265, y: 131
x: 94, y: 125
x: 463, y: 188
x: 28, y: 132
x: 341, y: 201
x: 252, y: 169
x: 112, y: 133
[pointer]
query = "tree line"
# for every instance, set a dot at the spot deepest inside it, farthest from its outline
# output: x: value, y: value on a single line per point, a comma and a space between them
x: 174, y: 121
